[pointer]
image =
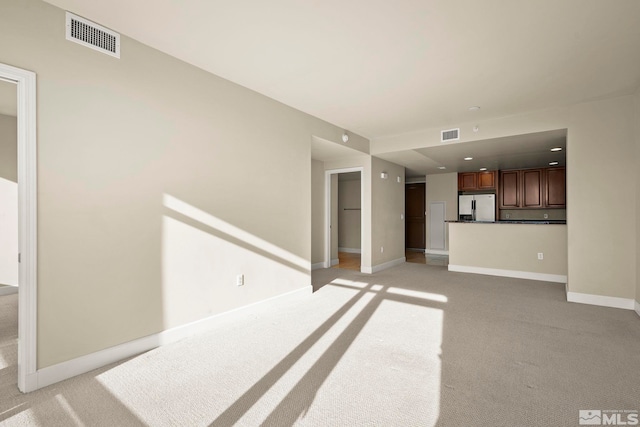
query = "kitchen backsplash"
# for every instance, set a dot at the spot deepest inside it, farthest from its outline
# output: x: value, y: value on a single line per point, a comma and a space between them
x: 533, y: 214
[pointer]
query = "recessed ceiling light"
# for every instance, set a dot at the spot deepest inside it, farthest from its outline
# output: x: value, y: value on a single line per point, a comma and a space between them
x: 556, y: 149
x: 553, y: 163
x: 483, y: 169
x: 468, y: 158
x: 474, y: 108
x: 441, y: 167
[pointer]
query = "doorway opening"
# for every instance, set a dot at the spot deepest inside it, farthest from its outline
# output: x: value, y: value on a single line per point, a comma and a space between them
x: 415, y: 223
x: 25, y: 90
x: 8, y: 190
x: 343, y: 218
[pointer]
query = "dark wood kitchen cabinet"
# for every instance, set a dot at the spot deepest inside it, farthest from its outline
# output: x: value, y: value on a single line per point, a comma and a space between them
x: 467, y: 181
x: 509, y: 193
x: 487, y: 180
x: 532, y: 189
x: 472, y: 181
x: 555, y: 191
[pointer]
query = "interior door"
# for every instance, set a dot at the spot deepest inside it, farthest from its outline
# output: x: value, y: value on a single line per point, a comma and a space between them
x: 415, y: 216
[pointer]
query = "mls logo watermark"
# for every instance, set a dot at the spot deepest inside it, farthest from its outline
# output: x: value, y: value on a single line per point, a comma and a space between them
x: 598, y: 417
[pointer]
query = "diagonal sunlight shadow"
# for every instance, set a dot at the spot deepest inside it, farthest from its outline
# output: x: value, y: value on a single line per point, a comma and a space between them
x: 234, y: 412
x: 297, y: 402
x: 234, y: 234
x: 201, y: 255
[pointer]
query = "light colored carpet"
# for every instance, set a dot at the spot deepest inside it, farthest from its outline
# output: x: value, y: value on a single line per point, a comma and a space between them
x: 410, y: 346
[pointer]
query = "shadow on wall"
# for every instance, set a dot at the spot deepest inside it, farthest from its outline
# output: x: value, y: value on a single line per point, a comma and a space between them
x: 203, y: 257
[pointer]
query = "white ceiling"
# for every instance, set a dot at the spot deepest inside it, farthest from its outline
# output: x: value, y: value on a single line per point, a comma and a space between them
x: 384, y: 68
x: 380, y: 68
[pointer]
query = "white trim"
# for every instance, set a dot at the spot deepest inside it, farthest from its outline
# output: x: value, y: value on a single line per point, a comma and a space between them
x: 637, y: 307
x: 601, y: 300
x: 83, y: 364
x: 8, y: 290
x: 335, y: 261
x: 27, y: 221
x: 557, y: 278
x: 435, y: 252
x: 327, y: 209
x: 383, y: 266
x: 317, y: 265
x: 350, y: 250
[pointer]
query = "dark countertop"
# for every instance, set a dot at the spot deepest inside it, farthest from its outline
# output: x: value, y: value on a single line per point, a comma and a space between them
x: 514, y: 221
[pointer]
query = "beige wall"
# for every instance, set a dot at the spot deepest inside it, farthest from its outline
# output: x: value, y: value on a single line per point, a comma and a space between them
x: 601, y: 205
x: 387, y: 208
x: 442, y: 188
x: 509, y: 247
x: 145, y: 215
x: 317, y: 212
x: 349, y: 214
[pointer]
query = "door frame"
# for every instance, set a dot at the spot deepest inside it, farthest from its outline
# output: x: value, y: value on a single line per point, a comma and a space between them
x: 327, y: 210
x: 27, y: 223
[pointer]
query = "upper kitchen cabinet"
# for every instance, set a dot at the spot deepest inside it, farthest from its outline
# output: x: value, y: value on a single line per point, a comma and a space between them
x: 509, y: 193
x: 467, y: 181
x: 487, y: 180
x: 555, y: 194
x: 473, y: 181
x: 532, y: 188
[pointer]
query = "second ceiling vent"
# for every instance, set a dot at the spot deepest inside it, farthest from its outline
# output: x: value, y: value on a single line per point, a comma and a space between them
x: 450, y: 135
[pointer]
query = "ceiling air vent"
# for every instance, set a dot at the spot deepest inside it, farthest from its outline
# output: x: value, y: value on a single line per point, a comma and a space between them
x: 450, y: 135
x: 92, y: 35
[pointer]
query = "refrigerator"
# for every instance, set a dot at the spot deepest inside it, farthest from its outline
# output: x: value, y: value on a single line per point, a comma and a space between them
x: 477, y: 207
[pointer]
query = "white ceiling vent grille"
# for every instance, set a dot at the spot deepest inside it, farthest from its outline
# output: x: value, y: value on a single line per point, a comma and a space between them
x: 450, y: 135
x: 92, y: 35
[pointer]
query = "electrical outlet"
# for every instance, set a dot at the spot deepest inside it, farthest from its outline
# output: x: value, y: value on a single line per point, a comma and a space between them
x: 240, y: 280
x: 546, y: 216
x: 508, y: 216
x: 540, y: 256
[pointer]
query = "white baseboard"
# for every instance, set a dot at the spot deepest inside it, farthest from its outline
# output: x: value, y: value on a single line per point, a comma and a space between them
x: 435, y: 252
x: 8, y: 290
x: 383, y: 266
x: 509, y: 273
x: 335, y: 262
x: 317, y: 265
x: 80, y: 365
x: 637, y: 308
x: 601, y: 300
x: 350, y: 250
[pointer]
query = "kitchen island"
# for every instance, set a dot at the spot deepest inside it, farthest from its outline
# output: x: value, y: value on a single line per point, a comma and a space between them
x: 523, y: 249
